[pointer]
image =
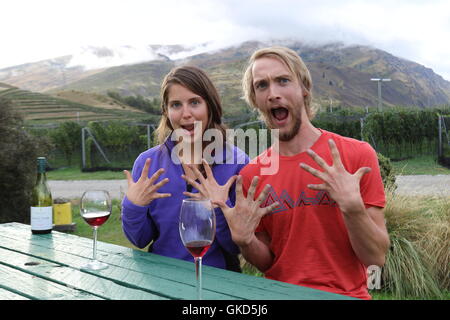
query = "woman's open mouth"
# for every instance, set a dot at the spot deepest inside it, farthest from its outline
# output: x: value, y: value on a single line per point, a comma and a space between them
x: 189, y: 128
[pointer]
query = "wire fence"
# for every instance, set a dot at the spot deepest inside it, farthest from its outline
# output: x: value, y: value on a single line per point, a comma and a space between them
x: 114, y: 145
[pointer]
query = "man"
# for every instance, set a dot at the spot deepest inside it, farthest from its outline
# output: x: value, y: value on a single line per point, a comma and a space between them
x: 319, y: 220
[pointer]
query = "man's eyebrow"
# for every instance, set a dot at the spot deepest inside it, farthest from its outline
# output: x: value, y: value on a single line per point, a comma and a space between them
x: 284, y: 75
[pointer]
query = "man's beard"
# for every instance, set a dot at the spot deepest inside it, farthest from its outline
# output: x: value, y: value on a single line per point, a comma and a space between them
x: 289, y: 135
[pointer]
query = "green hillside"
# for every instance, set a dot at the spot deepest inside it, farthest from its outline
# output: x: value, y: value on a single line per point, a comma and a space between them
x: 38, y: 108
x: 142, y: 78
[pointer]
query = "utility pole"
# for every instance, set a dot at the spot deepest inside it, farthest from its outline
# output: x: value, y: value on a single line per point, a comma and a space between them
x: 379, y: 80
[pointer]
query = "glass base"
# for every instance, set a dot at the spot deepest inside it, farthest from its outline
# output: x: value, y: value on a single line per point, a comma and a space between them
x: 95, y: 265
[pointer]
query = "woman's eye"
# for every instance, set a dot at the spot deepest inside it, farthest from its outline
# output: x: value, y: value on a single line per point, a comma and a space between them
x: 175, y: 105
x: 283, y: 80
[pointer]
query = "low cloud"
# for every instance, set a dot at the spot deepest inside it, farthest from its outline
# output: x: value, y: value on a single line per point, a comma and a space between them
x: 92, y: 57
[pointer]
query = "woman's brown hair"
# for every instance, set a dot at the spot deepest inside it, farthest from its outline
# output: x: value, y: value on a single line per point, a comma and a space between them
x: 197, y: 81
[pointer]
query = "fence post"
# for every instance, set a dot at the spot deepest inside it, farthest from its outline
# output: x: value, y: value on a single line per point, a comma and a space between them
x: 83, y: 152
x: 361, y: 121
x: 148, y: 137
x: 440, y: 136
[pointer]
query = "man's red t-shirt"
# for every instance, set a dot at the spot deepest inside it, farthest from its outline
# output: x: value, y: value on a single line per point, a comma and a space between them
x: 309, y: 238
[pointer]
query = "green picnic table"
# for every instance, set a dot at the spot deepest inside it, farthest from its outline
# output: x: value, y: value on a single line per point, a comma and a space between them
x: 48, y: 267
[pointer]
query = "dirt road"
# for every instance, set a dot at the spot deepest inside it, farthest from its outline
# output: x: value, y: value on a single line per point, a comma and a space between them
x: 421, y: 185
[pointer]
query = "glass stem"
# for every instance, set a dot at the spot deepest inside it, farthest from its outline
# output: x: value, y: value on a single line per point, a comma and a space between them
x: 198, y: 273
x: 95, y: 244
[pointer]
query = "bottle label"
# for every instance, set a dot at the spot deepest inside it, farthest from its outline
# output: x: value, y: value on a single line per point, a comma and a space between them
x: 41, y: 218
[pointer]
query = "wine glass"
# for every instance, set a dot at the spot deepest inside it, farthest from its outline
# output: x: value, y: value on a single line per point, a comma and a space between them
x: 95, y: 208
x: 197, y: 227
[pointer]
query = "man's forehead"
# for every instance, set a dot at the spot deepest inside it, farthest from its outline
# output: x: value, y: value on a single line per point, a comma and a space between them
x: 269, y: 67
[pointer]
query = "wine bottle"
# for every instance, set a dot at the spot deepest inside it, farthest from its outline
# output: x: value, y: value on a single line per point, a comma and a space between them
x: 41, y: 202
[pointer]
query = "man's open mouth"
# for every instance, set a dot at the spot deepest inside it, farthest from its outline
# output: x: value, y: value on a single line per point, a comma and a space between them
x: 280, y: 113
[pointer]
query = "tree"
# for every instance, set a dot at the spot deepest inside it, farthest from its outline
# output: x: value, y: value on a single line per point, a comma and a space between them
x: 19, y: 151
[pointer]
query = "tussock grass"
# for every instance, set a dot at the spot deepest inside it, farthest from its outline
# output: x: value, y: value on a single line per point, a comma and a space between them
x: 417, y: 265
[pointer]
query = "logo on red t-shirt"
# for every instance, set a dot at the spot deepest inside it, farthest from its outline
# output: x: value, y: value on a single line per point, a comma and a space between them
x: 286, y: 201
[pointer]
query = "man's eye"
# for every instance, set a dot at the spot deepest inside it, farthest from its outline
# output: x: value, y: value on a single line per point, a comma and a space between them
x: 261, y: 85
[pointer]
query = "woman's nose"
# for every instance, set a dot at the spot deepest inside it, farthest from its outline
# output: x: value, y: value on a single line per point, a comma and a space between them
x: 186, y: 112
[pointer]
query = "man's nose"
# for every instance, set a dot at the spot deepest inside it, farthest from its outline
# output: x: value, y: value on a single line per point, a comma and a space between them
x: 273, y: 93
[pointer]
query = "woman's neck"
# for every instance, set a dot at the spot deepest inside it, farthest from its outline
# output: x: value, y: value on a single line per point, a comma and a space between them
x: 191, y: 153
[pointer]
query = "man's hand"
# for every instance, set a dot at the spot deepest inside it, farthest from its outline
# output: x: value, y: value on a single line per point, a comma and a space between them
x: 247, y: 213
x: 144, y: 191
x: 342, y: 186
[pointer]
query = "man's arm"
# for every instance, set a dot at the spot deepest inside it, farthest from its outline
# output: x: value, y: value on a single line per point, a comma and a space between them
x: 368, y: 234
x: 258, y: 252
x: 243, y: 220
x: 366, y: 228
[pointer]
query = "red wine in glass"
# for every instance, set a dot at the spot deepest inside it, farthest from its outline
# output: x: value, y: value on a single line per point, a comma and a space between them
x: 198, y: 248
x: 96, y: 219
x: 197, y: 226
x: 95, y: 208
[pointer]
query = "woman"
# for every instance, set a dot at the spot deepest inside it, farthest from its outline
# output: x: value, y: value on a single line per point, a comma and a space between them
x: 164, y: 175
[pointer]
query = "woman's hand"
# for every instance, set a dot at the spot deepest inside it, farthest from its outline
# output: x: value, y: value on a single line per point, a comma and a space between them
x: 208, y: 187
x: 144, y: 191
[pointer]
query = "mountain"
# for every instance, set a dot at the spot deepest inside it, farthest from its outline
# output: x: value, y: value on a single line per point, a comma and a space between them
x: 341, y: 75
x: 53, y: 73
x: 44, y: 75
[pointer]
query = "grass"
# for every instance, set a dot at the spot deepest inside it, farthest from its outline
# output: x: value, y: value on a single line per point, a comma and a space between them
x: 110, y: 231
x: 75, y: 173
x: 419, y: 165
x: 418, y: 263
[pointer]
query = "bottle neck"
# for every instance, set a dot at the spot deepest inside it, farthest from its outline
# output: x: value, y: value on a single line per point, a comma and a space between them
x: 41, y: 177
x: 41, y: 169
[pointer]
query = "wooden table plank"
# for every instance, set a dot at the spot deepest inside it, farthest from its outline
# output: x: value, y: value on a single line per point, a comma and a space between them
x: 71, y: 278
x: 140, y: 278
x: 8, y: 295
x: 127, y: 262
x: 36, y: 288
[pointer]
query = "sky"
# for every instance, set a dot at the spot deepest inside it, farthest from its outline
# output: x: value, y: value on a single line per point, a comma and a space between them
x: 36, y: 30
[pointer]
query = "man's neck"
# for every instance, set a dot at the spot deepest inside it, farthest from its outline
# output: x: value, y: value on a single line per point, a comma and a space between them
x: 305, y: 138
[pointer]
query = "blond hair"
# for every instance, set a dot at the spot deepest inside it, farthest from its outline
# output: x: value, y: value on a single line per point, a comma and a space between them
x: 295, y: 65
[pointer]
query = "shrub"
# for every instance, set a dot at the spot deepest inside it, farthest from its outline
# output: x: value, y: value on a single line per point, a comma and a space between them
x: 387, y: 173
x: 17, y: 166
x: 68, y: 138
